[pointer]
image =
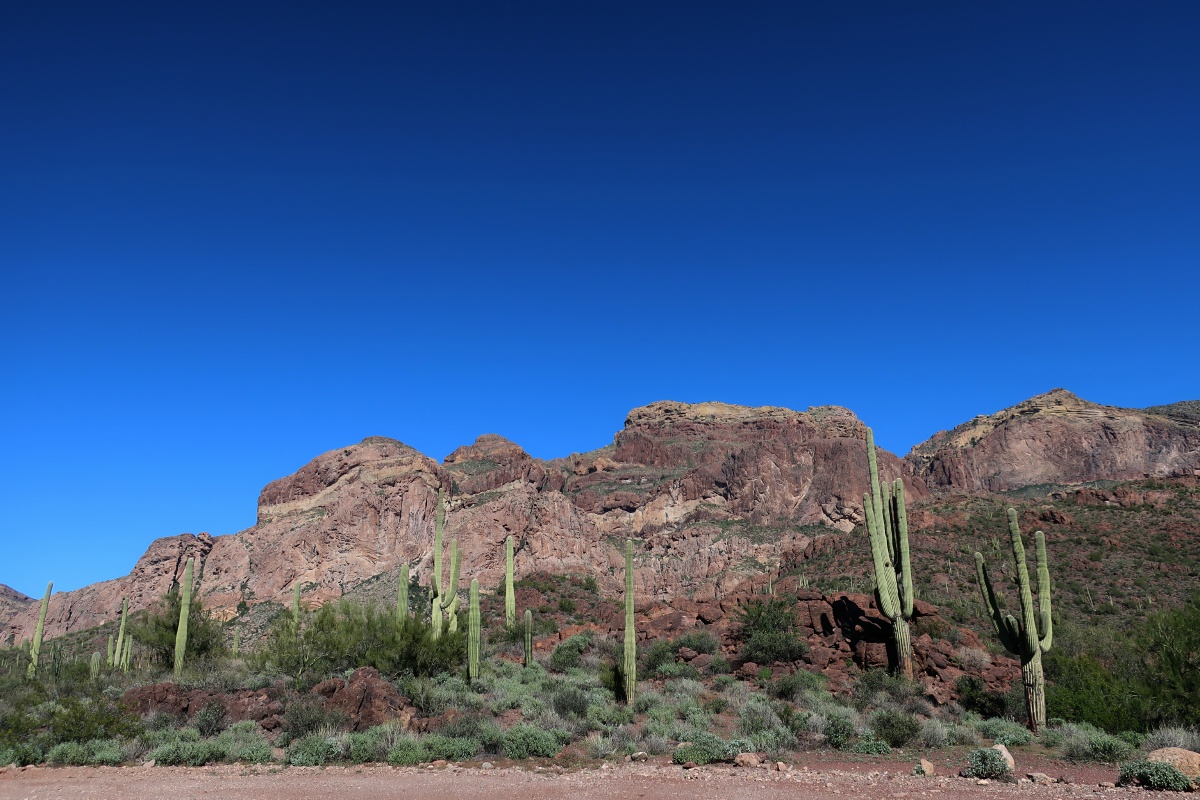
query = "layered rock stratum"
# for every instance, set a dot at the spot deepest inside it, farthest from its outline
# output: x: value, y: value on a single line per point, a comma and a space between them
x: 714, y: 494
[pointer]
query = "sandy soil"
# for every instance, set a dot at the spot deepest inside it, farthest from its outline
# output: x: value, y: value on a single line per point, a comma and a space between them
x: 656, y: 781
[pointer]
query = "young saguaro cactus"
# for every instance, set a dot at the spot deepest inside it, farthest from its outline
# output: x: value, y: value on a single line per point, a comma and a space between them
x: 94, y: 667
x: 510, y: 597
x: 1021, y: 637
x: 296, y: 607
x: 35, y: 649
x: 473, y: 626
x: 111, y: 653
x: 630, y: 662
x: 185, y: 608
x: 528, y: 638
x: 443, y: 599
x: 402, y: 594
x: 887, y: 525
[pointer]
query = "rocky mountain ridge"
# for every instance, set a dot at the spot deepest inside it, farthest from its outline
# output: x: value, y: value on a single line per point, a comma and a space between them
x: 715, y: 494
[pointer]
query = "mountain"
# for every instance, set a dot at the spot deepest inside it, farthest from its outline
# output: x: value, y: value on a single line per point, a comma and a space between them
x: 716, y: 494
x: 1058, y: 439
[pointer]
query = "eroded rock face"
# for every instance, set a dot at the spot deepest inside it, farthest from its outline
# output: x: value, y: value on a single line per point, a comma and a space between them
x: 1057, y: 438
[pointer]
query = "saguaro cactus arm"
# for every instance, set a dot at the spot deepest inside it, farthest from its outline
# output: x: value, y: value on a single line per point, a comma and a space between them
x: 402, y: 593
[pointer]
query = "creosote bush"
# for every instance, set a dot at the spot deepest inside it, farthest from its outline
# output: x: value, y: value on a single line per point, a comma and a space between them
x: 986, y: 763
x: 1154, y: 775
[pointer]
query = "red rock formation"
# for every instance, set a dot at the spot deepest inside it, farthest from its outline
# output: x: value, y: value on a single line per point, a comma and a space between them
x: 1057, y: 438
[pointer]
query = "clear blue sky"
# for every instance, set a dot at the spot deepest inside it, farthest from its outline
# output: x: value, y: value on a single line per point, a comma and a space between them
x: 236, y: 235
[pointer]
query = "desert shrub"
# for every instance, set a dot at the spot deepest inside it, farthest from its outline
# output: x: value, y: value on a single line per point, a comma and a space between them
x: 303, y: 717
x: 986, y: 763
x: 365, y: 747
x: 407, y: 751
x: 768, y: 632
x: 569, y: 654
x: 720, y: 666
x: 934, y: 734
x: 313, y: 750
x: 973, y: 695
x: 481, y: 729
x: 875, y: 687
x: 608, y: 716
x: 654, y: 655
x: 346, y: 635
x: 105, y: 752
x: 570, y: 701
x: 72, y: 754
x: 1171, y: 640
x: 839, y: 730
x: 210, y: 719
x: 153, y: 739
x: 1133, y: 738
x: 702, y: 748
x: 645, y: 701
x: 1005, y: 732
x: 242, y: 741
x: 765, y: 730
x: 789, y: 687
x: 676, y: 669
x: 874, y: 747
x: 963, y: 735
x: 972, y: 659
x: 1081, y: 688
x: 700, y: 641
x: 22, y: 754
x: 1154, y: 775
x: 526, y: 741
x: 451, y: 748
x: 75, y: 719
x: 1089, y: 744
x: 188, y: 754
x: 897, y: 728
x: 160, y: 721
x: 155, y: 629
x: 1173, y: 736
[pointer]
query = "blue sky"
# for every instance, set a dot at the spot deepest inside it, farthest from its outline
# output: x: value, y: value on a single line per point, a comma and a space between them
x: 234, y: 236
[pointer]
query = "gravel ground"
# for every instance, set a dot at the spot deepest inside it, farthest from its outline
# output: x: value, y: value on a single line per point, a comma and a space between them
x: 656, y: 781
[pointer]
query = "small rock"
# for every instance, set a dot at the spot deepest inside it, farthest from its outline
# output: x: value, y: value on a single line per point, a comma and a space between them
x: 441, y: 762
x: 149, y: 763
x: 746, y: 760
x: 1066, y: 778
x: 982, y: 782
x: 640, y: 755
x: 781, y: 767
x: 278, y: 754
x: 1107, y: 785
x: 927, y: 768
x: 1039, y: 777
x: 1008, y: 759
x: 487, y: 765
x: 605, y: 765
x: 690, y: 765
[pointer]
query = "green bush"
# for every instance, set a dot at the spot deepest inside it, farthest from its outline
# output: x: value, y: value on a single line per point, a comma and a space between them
x: 105, y: 752
x: 895, y: 727
x: 768, y: 632
x: 874, y: 747
x: 973, y: 695
x: 703, y: 748
x: 303, y: 717
x: 481, y: 729
x: 188, y: 754
x: 210, y: 719
x: 654, y: 655
x: 765, y: 730
x: 313, y: 750
x: 525, y: 741
x: 789, y: 687
x: 75, y: 719
x: 1005, y: 732
x: 569, y: 654
x: 155, y: 629
x: 986, y: 763
x: 700, y: 641
x: 72, y: 754
x: 1097, y: 746
x: 407, y: 751
x: 570, y: 701
x: 451, y: 748
x: 243, y: 742
x: 839, y: 730
x: 1154, y: 775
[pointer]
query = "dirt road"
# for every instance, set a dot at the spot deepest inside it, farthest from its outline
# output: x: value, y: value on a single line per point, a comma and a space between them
x: 624, y: 781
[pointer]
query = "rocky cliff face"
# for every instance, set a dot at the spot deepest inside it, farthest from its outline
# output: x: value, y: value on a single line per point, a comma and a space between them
x: 1057, y: 438
x: 714, y: 493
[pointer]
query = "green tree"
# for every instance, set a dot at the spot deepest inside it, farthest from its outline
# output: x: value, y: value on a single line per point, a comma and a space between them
x: 156, y: 629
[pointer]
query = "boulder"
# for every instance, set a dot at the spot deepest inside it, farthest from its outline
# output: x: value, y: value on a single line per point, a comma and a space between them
x: 1186, y: 761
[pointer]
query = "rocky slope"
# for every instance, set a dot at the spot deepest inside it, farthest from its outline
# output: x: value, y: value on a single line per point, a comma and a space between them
x: 714, y: 494
x: 1057, y: 438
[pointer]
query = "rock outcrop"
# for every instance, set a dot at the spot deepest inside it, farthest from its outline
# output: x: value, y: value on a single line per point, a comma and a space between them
x: 1057, y: 438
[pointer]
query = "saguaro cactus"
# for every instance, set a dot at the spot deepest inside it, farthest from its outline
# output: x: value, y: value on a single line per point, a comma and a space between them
x: 127, y: 657
x: 630, y: 664
x: 111, y: 653
x: 185, y: 608
x: 121, y: 631
x: 402, y: 594
x: 1020, y: 637
x: 236, y: 632
x: 35, y: 649
x: 94, y: 667
x: 296, y: 607
x: 510, y: 596
x: 528, y: 638
x: 887, y: 525
x: 473, y: 625
x: 444, y: 599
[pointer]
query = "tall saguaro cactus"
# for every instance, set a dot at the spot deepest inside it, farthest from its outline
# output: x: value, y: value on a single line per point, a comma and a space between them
x: 121, y: 632
x: 510, y: 597
x: 185, y: 608
x: 35, y: 649
x: 1021, y: 637
x: 443, y: 599
x: 887, y: 524
x: 528, y: 638
x: 296, y: 607
x: 473, y: 626
x: 630, y: 663
x: 402, y: 594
